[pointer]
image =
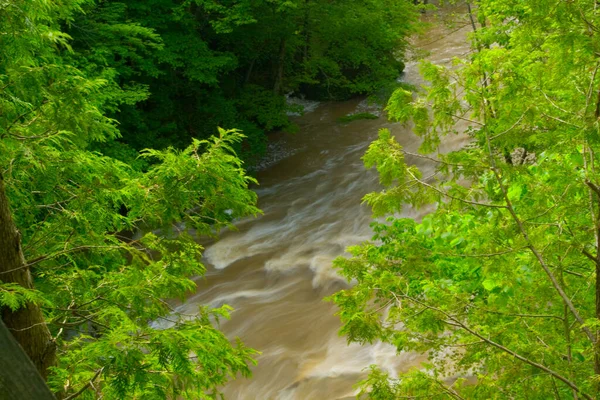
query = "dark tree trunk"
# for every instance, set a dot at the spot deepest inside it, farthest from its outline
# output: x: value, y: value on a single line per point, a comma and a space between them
x: 27, y: 324
x: 306, y: 29
x: 280, y: 65
x: 597, y: 344
x: 19, y: 378
x: 249, y: 72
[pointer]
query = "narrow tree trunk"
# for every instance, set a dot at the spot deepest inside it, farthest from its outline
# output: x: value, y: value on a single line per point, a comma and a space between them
x: 306, y: 29
x: 279, y: 74
x: 249, y: 72
x: 27, y: 324
x: 595, y: 189
x: 597, y: 349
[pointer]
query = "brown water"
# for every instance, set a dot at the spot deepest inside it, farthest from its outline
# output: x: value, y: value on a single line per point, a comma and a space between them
x: 276, y: 269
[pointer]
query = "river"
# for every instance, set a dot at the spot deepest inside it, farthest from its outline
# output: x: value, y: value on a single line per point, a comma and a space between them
x: 276, y: 269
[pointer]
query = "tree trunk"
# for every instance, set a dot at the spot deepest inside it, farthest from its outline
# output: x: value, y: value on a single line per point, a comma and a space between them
x: 249, y: 72
x: 596, y: 191
x: 279, y: 75
x: 27, y: 324
x: 19, y: 379
x: 306, y: 29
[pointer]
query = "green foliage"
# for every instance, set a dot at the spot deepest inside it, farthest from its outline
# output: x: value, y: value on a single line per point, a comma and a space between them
x: 109, y: 159
x: 89, y: 221
x: 267, y: 109
x: 16, y: 296
x: 351, y: 47
x: 176, y: 70
x: 499, y: 281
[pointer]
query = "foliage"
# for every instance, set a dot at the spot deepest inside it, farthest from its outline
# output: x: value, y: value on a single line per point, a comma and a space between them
x: 179, y: 69
x: 500, y: 281
x: 352, y: 47
x: 109, y: 160
x: 100, y: 236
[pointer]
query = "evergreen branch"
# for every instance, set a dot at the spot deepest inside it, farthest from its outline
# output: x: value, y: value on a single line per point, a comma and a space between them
x: 67, y: 251
x: 44, y: 135
x: 91, y: 320
x: 577, y: 274
x: 86, y: 386
x: 27, y: 327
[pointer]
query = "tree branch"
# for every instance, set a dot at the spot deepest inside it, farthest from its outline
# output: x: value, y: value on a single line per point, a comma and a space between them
x: 457, y: 323
x: 86, y: 386
x: 475, y: 203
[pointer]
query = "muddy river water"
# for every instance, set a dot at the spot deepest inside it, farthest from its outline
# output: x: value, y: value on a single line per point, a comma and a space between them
x: 276, y: 269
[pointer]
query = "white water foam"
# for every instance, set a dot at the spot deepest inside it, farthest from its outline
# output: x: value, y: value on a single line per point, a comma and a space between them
x: 307, y: 106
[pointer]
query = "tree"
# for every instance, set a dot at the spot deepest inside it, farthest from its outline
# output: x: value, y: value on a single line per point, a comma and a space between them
x: 84, y: 276
x: 185, y: 67
x: 502, y: 280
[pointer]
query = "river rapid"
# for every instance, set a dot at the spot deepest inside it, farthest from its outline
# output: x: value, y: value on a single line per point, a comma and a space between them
x: 276, y: 269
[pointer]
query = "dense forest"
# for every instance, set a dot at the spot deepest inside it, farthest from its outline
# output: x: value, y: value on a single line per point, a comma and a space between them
x: 178, y: 69
x: 126, y: 132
